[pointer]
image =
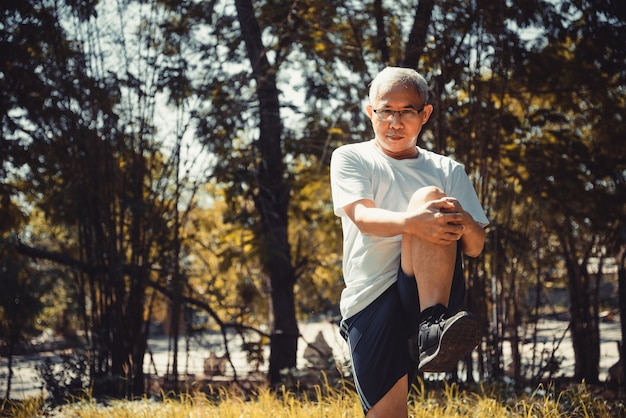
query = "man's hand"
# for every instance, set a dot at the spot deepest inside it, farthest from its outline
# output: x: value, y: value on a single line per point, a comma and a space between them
x: 472, y: 235
x: 441, y: 221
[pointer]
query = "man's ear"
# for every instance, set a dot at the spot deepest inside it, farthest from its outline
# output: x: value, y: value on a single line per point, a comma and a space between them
x: 428, y: 110
x: 369, y: 110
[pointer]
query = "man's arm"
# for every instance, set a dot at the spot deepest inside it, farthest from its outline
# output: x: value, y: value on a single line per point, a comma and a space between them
x: 473, y: 239
x: 440, y: 221
x: 375, y: 221
x: 429, y: 221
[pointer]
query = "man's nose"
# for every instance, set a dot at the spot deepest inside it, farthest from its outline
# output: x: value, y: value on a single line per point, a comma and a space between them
x: 396, y: 119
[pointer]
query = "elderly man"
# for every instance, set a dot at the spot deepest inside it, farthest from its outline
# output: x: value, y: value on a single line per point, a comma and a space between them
x: 406, y: 214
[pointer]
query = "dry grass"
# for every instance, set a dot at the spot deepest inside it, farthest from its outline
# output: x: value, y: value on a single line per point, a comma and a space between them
x: 324, y: 402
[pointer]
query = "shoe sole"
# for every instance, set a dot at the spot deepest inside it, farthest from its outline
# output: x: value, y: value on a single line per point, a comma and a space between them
x: 461, y: 337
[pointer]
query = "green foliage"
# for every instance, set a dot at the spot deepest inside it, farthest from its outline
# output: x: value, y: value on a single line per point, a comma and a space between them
x: 226, y: 271
x: 317, y: 242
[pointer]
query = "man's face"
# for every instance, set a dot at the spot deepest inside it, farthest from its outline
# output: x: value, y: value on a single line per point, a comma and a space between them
x: 397, y: 137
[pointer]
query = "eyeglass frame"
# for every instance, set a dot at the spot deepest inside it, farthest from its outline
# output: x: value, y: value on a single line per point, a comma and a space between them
x: 399, y: 112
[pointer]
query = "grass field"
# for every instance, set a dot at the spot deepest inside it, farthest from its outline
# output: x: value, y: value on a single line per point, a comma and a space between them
x: 446, y: 401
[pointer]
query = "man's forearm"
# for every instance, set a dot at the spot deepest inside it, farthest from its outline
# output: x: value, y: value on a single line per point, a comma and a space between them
x: 379, y: 222
x: 473, y: 239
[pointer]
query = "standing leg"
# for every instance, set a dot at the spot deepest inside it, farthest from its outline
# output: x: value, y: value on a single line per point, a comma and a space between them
x: 393, y: 404
x: 377, y: 337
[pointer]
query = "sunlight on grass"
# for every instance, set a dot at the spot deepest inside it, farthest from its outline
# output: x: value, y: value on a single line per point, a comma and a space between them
x: 262, y: 403
x: 451, y: 402
x: 326, y: 402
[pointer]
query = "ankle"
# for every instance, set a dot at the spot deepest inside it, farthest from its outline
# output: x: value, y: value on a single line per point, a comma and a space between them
x: 432, y: 312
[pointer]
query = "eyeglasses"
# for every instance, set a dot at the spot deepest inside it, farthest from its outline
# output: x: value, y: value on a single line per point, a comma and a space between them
x: 406, y: 115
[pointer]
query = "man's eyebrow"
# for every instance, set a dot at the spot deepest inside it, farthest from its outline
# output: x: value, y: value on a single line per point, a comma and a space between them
x: 409, y: 106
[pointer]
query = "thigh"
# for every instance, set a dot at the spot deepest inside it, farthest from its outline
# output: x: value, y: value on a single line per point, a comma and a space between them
x: 378, y: 342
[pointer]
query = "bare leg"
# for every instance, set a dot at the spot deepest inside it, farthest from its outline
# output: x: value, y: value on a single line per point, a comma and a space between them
x: 394, y: 403
x: 432, y: 264
x: 440, y: 342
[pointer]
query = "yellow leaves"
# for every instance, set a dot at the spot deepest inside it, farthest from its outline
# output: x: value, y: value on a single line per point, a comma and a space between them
x: 335, y: 131
x: 225, y: 270
x: 320, y: 47
x: 523, y: 173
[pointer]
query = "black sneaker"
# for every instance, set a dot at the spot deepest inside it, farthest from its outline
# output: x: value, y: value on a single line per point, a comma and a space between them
x: 429, y: 315
x: 443, y: 341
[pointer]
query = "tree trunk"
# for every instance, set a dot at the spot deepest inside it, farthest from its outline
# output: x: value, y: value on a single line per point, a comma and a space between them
x: 621, y: 275
x: 136, y: 334
x: 272, y: 199
x: 381, y: 33
x: 586, y: 343
x: 513, y: 319
x: 12, y: 342
x: 583, y: 326
x: 417, y: 37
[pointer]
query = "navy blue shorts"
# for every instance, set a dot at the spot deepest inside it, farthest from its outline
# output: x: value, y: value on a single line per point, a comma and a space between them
x: 378, y: 337
x: 378, y: 340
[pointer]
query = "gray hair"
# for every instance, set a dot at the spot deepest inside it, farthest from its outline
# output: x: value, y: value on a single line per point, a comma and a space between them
x: 392, y: 76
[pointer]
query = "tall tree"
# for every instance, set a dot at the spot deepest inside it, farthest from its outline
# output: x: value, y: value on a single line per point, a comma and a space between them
x: 85, y: 142
x: 289, y: 50
x: 272, y: 197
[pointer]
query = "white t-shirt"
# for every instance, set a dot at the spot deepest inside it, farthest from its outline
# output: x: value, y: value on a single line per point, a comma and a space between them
x: 363, y: 171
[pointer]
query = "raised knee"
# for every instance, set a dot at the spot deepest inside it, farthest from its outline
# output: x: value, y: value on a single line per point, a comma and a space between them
x: 426, y: 194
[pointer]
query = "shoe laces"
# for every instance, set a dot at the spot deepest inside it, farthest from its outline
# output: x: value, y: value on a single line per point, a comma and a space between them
x: 437, y: 316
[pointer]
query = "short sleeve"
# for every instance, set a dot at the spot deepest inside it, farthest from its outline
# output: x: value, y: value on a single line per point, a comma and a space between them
x: 349, y: 179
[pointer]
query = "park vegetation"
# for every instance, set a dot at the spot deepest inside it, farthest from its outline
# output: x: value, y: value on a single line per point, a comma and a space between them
x: 167, y: 162
x: 447, y: 401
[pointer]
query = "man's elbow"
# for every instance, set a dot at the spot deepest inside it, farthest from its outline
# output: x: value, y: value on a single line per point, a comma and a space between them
x: 473, y: 252
x: 473, y: 248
